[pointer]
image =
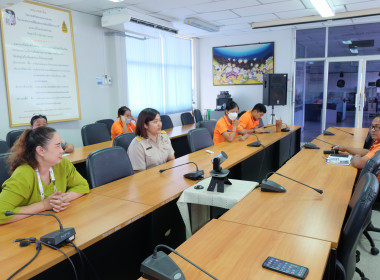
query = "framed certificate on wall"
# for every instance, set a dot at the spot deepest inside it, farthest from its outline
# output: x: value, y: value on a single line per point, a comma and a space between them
x: 39, y: 62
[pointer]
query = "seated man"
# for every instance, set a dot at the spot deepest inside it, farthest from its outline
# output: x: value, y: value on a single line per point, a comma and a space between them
x: 41, y: 120
x: 363, y: 155
x: 250, y: 119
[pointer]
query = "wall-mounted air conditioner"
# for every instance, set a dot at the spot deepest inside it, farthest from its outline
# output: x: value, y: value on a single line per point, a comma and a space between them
x: 126, y: 20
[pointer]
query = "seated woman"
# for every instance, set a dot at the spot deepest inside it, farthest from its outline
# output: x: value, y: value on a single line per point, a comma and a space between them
x: 151, y: 145
x: 227, y: 126
x: 41, y: 179
x: 123, y: 124
x: 41, y: 120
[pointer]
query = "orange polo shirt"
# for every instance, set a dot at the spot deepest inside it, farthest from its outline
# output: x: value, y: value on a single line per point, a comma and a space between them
x: 222, y: 126
x: 117, y: 128
x: 247, y: 121
x: 372, y: 151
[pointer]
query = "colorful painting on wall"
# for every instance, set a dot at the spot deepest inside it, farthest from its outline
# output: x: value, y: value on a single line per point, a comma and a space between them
x: 242, y: 64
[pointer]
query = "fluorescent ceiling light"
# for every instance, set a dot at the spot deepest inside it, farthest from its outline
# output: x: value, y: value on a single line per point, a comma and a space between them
x: 354, y: 51
x: 201, y: 24
x: 347, y: 42
x: 116, y: 1
x: 323, y: 7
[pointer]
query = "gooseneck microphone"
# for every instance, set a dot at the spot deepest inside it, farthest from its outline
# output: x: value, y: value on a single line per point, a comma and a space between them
x: 257, y: 143
x: 56, y: 238
x: 270, y: 186
x: 195, y: 175
x: 161, y: 266
x: 324, y: 141
x: 343, y: 130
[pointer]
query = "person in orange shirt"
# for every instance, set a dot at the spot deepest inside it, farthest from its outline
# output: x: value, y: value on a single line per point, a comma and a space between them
x: 124, y: 123
x: 363, y: 155
x: 249, y: 121
x: 227, y: 126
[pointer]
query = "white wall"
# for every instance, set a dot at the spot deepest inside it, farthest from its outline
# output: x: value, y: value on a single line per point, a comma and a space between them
x: 96, y: 102
x: 246, y: 96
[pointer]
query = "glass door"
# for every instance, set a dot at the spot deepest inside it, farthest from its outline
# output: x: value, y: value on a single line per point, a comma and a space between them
x: 371, y: 89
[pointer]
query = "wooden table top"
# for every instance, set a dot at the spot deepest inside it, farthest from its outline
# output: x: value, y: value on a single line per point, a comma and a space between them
x: 93, y: 217
x: 300, y: 210
x: 150, y: 187
x: 235, y: 251
x: 80, y: 154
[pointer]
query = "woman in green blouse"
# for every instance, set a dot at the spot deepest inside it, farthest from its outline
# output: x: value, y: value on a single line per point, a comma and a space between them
x: 41, y: 179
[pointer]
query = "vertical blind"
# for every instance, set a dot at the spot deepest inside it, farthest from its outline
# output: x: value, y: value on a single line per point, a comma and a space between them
x: 159, y: 74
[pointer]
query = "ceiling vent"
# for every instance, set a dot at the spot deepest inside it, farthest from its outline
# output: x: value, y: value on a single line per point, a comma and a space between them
x: 133, y: 22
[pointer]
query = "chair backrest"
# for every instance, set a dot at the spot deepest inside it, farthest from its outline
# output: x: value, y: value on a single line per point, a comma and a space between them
x: 261, y: 123
x: 3, y: 147
x: 123, y: 140
x: 199, y: 138
x: 107, y: 165
x: 209, y: 125
x: 372, y: 165
x: 107, y: 122
x: 198, y: 115
x: 366, y: 190
x: 95, y: 133
x: 166, y: 122
x: 4, y: 169
x: 187, y: 118
x: 368, y: 141
x: 12, y: 136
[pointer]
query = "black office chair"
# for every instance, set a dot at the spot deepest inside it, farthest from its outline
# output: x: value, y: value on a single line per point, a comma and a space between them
x: 3, y: 147
x: 187, y: 118
x: 368, y: 141
x: 198, y: 139
x: 108, y: 165
x: 95, y: 133
x: 12, y: 136
x: 166, y: 122
x: 360, y: 205
x: 261, y: 123
x: 371, y: 166
x: 107, y: 122
x: 4, y: 169
x: 123, y: 140
x: 209, y: 125
x: 198, y: 115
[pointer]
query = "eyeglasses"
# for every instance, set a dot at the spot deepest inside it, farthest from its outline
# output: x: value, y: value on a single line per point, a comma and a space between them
x: 375, y: 127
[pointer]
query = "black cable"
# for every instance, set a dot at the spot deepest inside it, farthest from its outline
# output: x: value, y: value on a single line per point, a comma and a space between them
x: 38, y: 248
x: 80, y: 252
x: 67, y: 257
x: 175, y: 252
x: 80, y: 257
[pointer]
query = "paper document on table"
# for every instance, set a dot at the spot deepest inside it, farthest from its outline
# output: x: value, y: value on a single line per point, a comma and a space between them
x: 339, y: 159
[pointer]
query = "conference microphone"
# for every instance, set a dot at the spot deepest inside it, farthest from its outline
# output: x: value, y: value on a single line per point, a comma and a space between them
x: 257, y: 143
x: 270, y: 186
x: 56, y: 238
x: 195, y: 175
x: 161, y: 267
x: 326, y: 132
x: 328, y: 152
x: 343, y: 130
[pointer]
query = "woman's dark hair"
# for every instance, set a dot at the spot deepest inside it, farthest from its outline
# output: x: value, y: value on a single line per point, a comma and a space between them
x: 24, y: 149
x: 122, y: 111
x: 145, y: 117
x: 230, y: 105
x: 36, y: 117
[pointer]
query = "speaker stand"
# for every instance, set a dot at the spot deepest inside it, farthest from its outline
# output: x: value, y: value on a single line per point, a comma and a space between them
x: 273, y: 116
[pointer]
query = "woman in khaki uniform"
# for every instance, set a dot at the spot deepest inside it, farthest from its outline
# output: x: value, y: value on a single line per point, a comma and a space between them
x: 151, y: 145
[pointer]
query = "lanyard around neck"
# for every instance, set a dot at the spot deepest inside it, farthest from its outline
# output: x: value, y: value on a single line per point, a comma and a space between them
x: 52, y: 178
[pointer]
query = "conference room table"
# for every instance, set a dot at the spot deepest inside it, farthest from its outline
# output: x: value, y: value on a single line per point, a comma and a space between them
x: 110, y: 208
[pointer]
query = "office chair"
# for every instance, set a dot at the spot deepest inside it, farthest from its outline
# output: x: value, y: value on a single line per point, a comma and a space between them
x: 107, y: 165
x: 107, y: 122
x: 198, y: 139
x: 368, y: 141
x: 12, y: 136
x: 198, y: 115
x: 123, y: 140
x: 187, y: 118
x: 371, y: 166
x: 360, y: 205
x: 3, y: 147
x: 166, y: 122
x: 95, y: 133
x: 4, y: 169
x: 210, y: 125
x: 241, y: 113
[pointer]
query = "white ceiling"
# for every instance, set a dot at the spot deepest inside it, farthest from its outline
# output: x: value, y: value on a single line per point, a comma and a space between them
x: 231, y: 16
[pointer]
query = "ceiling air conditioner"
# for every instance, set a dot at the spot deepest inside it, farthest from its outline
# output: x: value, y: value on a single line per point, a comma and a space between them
x: 125, y: 20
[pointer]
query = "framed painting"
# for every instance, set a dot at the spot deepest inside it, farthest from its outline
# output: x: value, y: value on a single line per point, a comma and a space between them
x: 242, y: 64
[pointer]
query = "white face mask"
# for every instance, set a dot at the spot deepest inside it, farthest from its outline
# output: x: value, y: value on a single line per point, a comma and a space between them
x: 232, y: 116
